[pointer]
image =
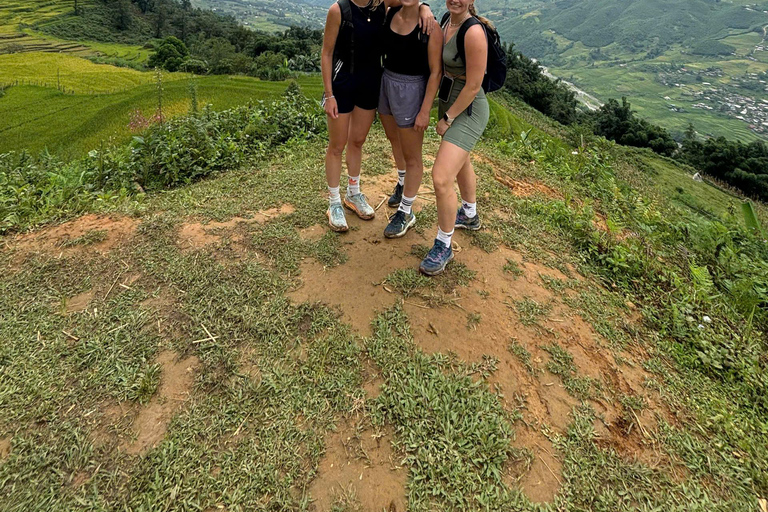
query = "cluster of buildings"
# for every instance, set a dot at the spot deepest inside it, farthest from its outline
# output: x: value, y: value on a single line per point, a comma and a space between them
x: 738, y: 99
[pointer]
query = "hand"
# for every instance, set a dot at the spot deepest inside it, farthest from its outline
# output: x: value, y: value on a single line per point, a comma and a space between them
x: 427, y: 20
x: 331, y: 108
x: 422, y: 122
x: 442, y: 127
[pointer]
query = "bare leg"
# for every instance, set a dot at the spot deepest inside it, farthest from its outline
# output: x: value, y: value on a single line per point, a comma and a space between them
x: 467, y: 182
x: 337, y: 138
x: 392, y: 132
x: 448, y: 163
x: 411, y: 142
x: 359, y: 126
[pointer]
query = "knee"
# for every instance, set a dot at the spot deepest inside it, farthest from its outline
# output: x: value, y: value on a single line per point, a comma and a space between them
x: 413, y: 162
x: 442, y: 183
x: 335, y: 150
x: 356, y: 143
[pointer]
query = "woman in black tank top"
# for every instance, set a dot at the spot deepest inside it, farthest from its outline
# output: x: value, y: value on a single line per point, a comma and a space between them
x: 412, y: 71
x: 351, y: 68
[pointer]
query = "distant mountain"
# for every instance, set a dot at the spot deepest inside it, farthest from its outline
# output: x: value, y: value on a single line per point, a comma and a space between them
x: 635, y: 25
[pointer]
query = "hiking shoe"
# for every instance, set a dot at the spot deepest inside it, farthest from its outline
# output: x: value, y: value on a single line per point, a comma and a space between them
x: 358, y: 204
x: 396, y: 197
x: 464, y: 222
x: 436, y: 259
x: 399, y: 224
x: 336, y: 218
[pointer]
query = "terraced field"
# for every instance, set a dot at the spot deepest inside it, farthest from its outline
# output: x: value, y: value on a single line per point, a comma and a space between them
x: 35, y: 118
x: 19, y: 18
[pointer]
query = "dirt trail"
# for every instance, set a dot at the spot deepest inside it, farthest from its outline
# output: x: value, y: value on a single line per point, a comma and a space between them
x: 152, y: 421
x: 359, y: 463
x: 356, y: 290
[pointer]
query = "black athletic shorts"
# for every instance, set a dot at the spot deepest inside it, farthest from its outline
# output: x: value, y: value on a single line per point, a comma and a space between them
x: 357, y: 90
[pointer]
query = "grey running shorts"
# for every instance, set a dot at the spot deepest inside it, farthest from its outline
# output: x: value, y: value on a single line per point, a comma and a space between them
x: 401, y: 96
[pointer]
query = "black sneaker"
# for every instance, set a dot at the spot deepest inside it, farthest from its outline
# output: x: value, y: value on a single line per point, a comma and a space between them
x: 399, y: 224
x: 464, y: 222
x: 396, y: 197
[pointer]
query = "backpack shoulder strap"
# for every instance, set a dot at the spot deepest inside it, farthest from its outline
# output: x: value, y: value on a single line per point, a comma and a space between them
x: 460, y: 36
x: 444, y: 19
x: 346, y: 11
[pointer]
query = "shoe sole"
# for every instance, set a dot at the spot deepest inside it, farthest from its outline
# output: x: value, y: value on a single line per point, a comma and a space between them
x: 337, y: 229
x: 469, y: 228
x: 435, y: 272
x: 404, y: 231
x: 352, y: 207
x: 393, y: 205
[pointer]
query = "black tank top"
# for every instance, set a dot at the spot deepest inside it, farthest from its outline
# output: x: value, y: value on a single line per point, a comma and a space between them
x: 407, y: 54
x: 368, y: 25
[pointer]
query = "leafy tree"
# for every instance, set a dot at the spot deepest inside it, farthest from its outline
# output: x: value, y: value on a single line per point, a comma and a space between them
x: 526, y: 81
x: 170, y: 54
x: 617, y: 121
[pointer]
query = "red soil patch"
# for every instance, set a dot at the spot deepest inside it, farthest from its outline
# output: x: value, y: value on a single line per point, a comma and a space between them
x: 527, y: 189
x: 195, y: 235
x: 58, y: 240
x: 542, y: 480
x: 79, y: 302
x: 5, y: 448
x: 364, y: 462
x: 152, y: 421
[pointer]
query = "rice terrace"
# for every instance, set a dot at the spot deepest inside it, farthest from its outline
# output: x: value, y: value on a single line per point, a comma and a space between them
x: 180, y: 329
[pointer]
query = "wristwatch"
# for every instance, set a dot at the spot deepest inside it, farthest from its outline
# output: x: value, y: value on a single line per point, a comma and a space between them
x: 448, y: 119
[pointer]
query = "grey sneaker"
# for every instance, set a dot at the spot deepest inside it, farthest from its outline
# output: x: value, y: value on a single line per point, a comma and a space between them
x: 360, y: 206
x: 464, y: 222
x: 399, y: 224
x: 396, y: 197
x: 436, y: 259
x: 336, y: 218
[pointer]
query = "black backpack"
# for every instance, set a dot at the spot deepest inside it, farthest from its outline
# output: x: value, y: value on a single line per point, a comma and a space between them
x: 496, y: 67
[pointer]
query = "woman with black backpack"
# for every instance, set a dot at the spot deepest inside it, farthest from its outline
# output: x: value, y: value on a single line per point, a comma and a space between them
x: 463, y: 115
x: 351, y: 69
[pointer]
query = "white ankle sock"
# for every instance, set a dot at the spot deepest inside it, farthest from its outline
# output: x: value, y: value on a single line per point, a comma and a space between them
x: 470, y: 209
x: 406, y: 203
x: 444, y: 237
x: 353, y: 185
x: 401, y: 177
x: 333, y: 195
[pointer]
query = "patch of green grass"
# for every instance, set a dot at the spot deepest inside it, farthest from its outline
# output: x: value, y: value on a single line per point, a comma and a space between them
x: 531, y: 311
x: 557, y: 285
x: 408, y: 281
x: 473, y: 320
x: 484, y: 240
x: 93, y: 236
x: 561, y: 364
x: 513, y: 267
x: 523, y: 355
x: 447, y: 425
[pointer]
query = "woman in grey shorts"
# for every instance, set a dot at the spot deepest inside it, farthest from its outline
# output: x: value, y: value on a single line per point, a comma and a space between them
x: 464, y: 113
x: 412, y: 70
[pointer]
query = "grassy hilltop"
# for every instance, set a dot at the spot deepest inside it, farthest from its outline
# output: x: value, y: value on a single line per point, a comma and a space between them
x: 180, y: 330
x: 216, y: 346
